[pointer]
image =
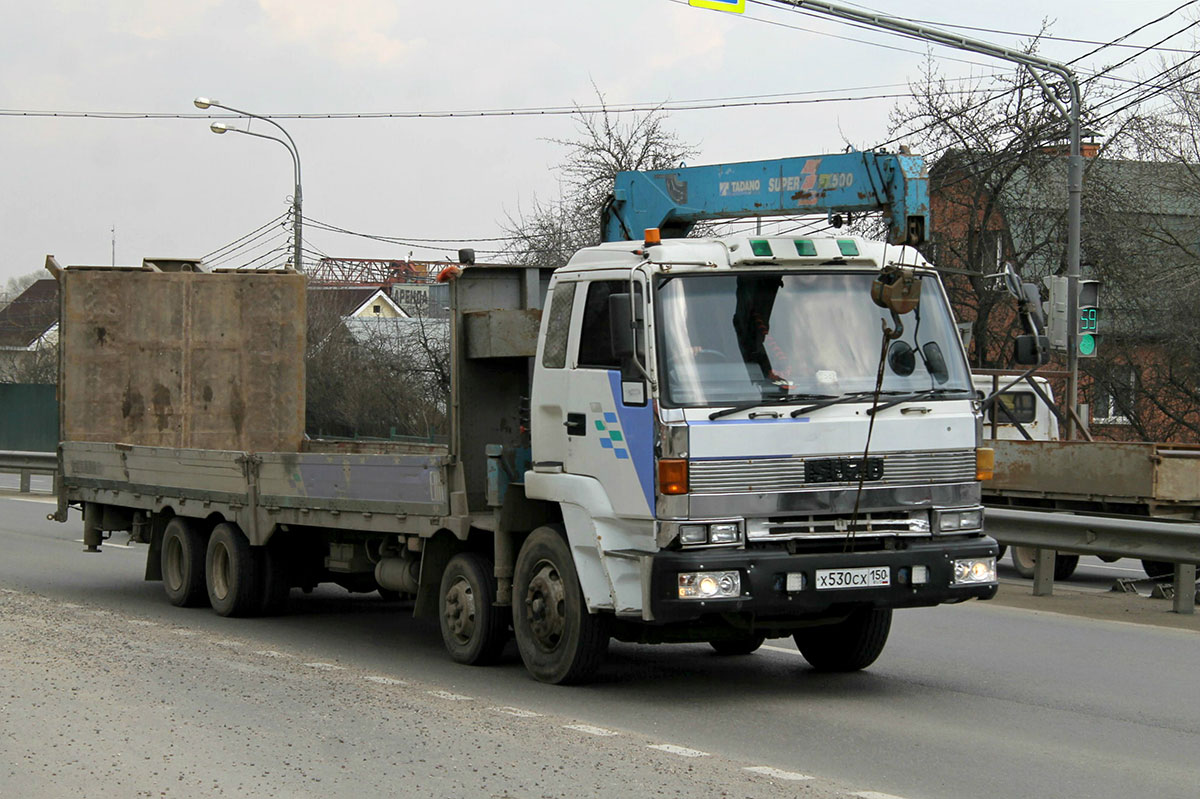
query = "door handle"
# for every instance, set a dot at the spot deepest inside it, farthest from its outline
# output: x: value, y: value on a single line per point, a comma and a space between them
x: 576, y: 424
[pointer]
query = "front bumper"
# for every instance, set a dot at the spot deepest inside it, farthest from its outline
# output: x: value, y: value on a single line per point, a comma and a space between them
x: 764, y: 580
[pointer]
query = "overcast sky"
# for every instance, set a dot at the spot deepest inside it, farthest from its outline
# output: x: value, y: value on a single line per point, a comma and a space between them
x: 171, y: 187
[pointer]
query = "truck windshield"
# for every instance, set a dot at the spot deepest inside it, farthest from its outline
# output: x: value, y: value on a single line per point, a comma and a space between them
x: 727, y: 339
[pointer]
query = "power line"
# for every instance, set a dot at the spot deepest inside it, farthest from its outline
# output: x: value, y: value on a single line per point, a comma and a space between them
x: 1048, y: 37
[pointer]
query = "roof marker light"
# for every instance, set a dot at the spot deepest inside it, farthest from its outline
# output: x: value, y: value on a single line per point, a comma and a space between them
x: 761, y: 247
x: 848, y: 246
x: 805, y: 247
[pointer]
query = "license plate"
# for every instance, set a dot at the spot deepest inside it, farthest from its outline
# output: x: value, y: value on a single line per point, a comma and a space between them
x: 866, y: 577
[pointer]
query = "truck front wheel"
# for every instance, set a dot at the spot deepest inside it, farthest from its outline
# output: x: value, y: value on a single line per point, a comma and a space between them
x: 474, y: 630
x: 233, y: 573
x: 852, y: 644
x: 560, y: 642
x: 182, y: 558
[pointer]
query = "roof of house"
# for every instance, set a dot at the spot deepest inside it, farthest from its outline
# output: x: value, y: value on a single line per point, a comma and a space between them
x: 347, y: 301
x: 27, y: 318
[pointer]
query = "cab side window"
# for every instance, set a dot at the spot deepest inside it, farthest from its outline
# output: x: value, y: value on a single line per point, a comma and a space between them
x: 558, y: 327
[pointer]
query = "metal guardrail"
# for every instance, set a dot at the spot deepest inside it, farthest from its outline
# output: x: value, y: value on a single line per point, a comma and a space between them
x: 1118, y: 536
x: 28, y: 463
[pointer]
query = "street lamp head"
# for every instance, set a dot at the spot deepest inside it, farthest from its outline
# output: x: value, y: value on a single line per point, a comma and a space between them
x: 220, y: 127
x: 204, y: 102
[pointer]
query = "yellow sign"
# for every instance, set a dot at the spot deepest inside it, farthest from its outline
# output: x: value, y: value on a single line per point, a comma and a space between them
x: 732, y: 6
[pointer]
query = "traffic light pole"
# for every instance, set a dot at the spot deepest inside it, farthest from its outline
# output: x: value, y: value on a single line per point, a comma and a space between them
x: 1074, y: 162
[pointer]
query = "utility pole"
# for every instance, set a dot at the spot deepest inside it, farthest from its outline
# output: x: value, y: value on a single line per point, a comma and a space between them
x: 1071, y: 111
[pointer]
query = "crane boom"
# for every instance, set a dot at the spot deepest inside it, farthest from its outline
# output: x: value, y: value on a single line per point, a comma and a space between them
x: 674, y: 200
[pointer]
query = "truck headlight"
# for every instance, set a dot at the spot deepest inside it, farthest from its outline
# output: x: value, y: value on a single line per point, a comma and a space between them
x: 724, y: 533
x: 692, y: 534
x: 709, y: 585
x: 952, y: 520
x: 974, y: 570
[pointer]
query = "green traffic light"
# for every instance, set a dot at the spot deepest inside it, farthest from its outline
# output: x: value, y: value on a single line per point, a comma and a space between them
x: 1087, y: 345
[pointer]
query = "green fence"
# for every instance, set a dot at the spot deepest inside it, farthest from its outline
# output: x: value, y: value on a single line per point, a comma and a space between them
x: 28, y: 417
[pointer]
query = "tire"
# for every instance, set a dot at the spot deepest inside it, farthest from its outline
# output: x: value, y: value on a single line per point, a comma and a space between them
x: 1025, y: 559
x: 474, y: 630
x: 275, y: 578
x: 233, y: 573
x: 1161, y: 570
x: 560, y: 641
x: 738, y: 646
x: 182, y: 559
x: 850, y: 645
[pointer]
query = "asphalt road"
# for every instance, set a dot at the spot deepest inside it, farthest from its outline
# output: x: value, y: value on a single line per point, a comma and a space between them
x: 109, y: 690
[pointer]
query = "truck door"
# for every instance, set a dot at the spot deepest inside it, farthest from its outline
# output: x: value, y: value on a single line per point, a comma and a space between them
x: 609, y: 436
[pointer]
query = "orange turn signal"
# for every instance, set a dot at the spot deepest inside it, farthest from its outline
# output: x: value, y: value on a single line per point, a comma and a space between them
x: 653, y: 236
x: 672, y: 476
x: 985, y: 463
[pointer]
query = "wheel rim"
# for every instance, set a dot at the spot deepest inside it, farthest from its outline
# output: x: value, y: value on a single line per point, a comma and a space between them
x: 545, y: 605
x: 1024, y: 557
x: 220, y: 571
x: 460, y: 611
x: 173, y: 573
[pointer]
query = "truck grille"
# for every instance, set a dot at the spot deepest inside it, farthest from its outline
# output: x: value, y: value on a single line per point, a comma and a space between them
x: 756, y: 475
x: 837, y: 526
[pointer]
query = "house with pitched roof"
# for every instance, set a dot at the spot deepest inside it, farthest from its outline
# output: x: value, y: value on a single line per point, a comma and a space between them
x: 29, y: 335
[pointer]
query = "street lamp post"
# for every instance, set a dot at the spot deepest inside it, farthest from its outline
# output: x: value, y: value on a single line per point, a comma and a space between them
x: 287, y: 142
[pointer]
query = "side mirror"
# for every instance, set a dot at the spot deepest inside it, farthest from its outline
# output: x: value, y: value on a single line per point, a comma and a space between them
x: 626, y: 339
x: 620, y: 325
x: 1030, y: 350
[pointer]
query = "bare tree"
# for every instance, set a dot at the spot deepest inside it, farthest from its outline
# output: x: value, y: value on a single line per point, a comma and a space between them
x: 998, y: 188
x: 550, y: 232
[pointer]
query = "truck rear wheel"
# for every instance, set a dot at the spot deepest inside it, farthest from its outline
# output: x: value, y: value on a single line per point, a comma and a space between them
x: 852, y: 644
x: 1161, y: 570
x: 560, y: 642
x: 474, y: 630
x: 182, y: 559
x: 233, y: 573
x: 1025, y: 559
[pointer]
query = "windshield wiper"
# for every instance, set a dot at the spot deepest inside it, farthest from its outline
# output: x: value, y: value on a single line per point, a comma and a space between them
x: 916, y: 396
x: 850, y: 397
x: 779, y: 400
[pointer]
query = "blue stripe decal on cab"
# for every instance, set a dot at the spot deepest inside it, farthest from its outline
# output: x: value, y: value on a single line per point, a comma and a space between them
x: 637, y: 424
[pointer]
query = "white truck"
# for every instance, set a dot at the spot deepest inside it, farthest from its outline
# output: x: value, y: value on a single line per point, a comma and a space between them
x: 719, y: 440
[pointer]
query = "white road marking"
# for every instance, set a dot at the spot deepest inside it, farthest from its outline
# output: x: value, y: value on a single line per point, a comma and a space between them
x: 270, y: 653
x: 783, y: 649
x: 875, y: 795
x: 778, y: 774
x: 325, y: 666
x: 450, y: 696
x: 516, y: 711
x: 589, y: 729
x: 385, y: 680
x: 682, y: 751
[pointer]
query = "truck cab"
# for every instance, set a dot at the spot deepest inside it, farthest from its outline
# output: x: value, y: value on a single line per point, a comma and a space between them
x: 701, y: 411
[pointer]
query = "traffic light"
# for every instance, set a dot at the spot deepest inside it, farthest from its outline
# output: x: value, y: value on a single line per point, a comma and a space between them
x: 1088, y: 315
x: 1056, y: 312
